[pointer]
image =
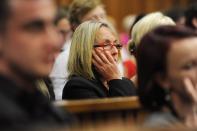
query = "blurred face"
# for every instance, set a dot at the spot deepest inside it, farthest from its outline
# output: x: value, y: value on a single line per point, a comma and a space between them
x: 65, y: 29
x: 106, y: 41
x: 30, y: 42
x: 194, y: 22
x: 182, y: 63
x: 97, y: 13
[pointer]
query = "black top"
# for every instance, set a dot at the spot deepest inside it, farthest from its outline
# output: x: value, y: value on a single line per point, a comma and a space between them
x: 80, y: 88
x: 19, y: 107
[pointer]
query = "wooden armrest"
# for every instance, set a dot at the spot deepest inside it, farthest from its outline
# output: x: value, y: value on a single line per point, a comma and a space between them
x: 104, y: 104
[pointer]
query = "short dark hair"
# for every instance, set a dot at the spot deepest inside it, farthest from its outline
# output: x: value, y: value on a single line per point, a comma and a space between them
x: 79, y: 8
x: 190, y: 14
x: 62, y: 12
x: 176, y: 13
x: 4, y: 14
x: 151, y: 61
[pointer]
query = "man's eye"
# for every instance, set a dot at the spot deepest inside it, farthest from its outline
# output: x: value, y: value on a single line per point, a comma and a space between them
x: 34, y: 26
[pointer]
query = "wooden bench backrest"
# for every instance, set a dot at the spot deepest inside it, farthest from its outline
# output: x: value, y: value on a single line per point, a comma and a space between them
x: 96, y: 105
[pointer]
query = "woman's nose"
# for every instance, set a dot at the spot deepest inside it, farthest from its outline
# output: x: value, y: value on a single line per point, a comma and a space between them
x: 114, y: 49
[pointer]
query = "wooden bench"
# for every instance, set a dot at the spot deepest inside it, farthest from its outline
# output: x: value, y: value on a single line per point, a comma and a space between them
x: 124, y: 109
x: 93, y: 105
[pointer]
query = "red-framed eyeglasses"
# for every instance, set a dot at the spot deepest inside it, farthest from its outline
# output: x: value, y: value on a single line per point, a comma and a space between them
x: 108, y: 46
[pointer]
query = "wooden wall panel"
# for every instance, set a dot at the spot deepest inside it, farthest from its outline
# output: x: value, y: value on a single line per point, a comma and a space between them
x: 63, y: 2
x: 118, y: 9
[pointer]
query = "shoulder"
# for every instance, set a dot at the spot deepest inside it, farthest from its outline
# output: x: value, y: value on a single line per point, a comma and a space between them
x: 80, y: 88
x: 160, y: 119
x: 78, y: 82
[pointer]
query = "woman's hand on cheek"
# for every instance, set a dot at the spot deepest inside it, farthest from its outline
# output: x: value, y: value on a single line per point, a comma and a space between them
x: 105, y: 65
x: 191, y: 89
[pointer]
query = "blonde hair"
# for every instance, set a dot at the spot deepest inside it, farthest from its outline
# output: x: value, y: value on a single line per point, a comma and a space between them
x: 80, y: 57
x: 41, y: 85
x: 148, y: 23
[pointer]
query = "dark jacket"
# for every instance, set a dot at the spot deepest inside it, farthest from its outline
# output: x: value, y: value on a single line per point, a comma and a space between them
x: 80, y: 88
x: 19, y: 107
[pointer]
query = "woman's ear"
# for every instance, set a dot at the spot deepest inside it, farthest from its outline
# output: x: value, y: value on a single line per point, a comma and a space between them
x: 163, y: 81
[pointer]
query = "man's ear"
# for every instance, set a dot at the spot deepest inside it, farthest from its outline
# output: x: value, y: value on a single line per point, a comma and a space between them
x: 194, y: 22
x: 163, y: 81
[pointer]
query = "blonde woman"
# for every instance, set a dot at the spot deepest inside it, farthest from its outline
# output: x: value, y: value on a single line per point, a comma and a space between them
x: 79, y: 11
x: 92, y: 64
x: 142, y: 27
x: 145, y: 25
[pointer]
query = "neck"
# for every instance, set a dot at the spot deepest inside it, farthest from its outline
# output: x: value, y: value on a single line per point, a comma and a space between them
x: 20, y: 78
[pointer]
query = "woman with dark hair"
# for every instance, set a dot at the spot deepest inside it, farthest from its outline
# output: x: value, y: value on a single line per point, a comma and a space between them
x: 167, y: 76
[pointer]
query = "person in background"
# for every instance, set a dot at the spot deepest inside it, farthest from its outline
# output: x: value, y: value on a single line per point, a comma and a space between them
x: 191, y: 16
x: 129, y: 65
x: 143, y: 26
x: 177, y: 14
x: 93, y: 64
x: 138, y: 17
x: 83, y: 10
x: 167, y: 76
x: 29, y: 43
x: 79, y: 11
x: 59, y: 72
x: 64, y: 27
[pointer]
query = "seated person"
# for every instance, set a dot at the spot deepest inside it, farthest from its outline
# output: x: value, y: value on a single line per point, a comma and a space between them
x: 28, y: 45
x: 92, y: 64
x: 79, y: 11
x: 167, y: 76
x: 145, y: 25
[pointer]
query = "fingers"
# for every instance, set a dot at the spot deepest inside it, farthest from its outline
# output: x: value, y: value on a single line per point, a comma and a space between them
x: 190, y: 88
x: 109, y: 57
x: 105, y: 64
x: 100, y: 57
x: 96, y: 58
x: 95, y: 63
